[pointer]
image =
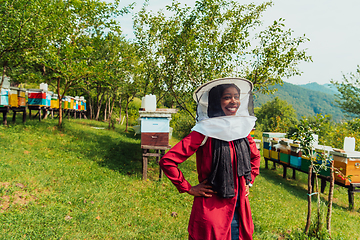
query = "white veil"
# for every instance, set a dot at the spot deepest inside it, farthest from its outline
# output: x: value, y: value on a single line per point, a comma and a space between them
x: 227, y: 128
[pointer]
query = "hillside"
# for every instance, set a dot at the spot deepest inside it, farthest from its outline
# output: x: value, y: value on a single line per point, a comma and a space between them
x: 305, y: 101
x: 326, y: 88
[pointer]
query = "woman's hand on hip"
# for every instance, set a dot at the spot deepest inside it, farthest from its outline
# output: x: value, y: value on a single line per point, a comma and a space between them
x: 201, y: 190
x: 247, y: 190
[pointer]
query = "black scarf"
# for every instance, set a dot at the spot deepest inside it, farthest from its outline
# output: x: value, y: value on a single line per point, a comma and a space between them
x: 221, y: 177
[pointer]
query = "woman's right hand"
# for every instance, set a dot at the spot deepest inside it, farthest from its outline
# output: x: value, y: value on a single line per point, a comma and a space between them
x: 201, y: 190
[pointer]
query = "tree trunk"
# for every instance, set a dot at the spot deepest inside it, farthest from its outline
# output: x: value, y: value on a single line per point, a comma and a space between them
x: 99, y: 107
x: 127, y: 114
x: 90, y: 107
x: 59, y: 98
x: 318, y: 225
x: 106, y: 106
x: 120, y: 110
x: 308, y: 219
x: 331, y: 194
x: 111, y: 110
x: 3, y: 77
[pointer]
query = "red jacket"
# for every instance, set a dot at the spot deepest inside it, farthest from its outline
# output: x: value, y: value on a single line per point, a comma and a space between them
x: 211, y: 217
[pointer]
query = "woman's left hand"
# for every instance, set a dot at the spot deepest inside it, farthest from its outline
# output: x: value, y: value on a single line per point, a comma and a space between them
x: 247, y: 190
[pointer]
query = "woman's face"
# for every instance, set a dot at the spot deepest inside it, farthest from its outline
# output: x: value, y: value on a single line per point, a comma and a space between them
x: 230, y: 101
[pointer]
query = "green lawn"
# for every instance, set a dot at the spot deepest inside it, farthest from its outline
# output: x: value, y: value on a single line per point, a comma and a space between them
x: 84, y: 182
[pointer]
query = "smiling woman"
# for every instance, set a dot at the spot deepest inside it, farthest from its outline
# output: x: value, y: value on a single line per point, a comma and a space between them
x: 227, y: 161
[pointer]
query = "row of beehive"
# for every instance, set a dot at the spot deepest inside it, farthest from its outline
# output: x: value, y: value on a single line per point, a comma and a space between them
x: 277, y: 148
x: 20, y: 97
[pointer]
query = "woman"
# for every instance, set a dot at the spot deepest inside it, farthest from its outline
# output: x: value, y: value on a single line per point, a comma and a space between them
x: 227, y: 161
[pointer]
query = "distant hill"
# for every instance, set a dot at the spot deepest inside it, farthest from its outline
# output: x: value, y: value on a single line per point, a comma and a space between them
x: 307, y: 101
x: 326, y: 88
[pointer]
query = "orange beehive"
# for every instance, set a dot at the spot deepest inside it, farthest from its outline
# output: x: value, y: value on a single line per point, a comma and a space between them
x: 348, y: 163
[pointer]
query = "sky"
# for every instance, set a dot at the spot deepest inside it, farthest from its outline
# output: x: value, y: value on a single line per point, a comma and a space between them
x: 331, y: 25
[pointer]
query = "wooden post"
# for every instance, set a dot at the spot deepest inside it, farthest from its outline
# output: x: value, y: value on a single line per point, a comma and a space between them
x: 351, y: 196
x: 323, y: 185
x: 284, y: 171
x: 294, y: 174
x: 5, y: 117
x: 14, y: 116
x: 144, y: 164
x: 161, y: 173
x: 24, y: 115
x: 266, y: 163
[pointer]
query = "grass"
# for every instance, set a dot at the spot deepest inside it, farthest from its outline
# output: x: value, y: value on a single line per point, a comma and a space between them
x: 84, y: 182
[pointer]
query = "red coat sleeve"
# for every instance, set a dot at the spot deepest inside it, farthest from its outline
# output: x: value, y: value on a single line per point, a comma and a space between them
x: 255, y: 158
x: 178, y: 154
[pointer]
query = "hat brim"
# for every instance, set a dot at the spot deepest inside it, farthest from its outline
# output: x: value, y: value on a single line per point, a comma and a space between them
x: 243, y: 84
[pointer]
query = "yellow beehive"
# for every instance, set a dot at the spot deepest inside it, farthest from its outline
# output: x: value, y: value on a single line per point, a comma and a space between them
x: 266, y: 153
x: 13, y: 97
x: 71, y: 103
x: 54, y: 101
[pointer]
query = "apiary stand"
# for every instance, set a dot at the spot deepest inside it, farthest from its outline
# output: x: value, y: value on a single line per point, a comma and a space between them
x: 351, y: 190
x: 38, y: 109
x: 155, y: 134
x: 352, y: 187
x: 159, y: 153
x: 19, y: 109
x: 5, y: 111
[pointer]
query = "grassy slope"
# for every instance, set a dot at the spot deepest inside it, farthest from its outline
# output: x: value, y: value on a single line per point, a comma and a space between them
x: 85, y: 183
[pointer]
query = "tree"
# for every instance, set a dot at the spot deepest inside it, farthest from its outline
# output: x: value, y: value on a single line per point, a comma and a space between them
x: 276, y: 116
x: 25, y: 25
x: 349, y: 93
x: 65, y: 60
x: 213, y: 40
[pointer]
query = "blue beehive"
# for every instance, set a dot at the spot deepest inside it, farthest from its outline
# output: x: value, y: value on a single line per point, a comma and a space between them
x: 4, y: 97
x: 155, y: 124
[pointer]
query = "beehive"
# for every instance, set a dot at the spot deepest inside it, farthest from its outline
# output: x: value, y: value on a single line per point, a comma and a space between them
x: 13, y: 97
x: 22, y: 97
x: 305, y: 163
x: 320, y: 149
x: 36, y: 97
x: 348, y: 163
x: 295, y: 155
x: 48, y: 98
x: 267, y: 136
x: 54, y: 101
x: 4, y: 97
x: 76, y: 103
x: 155, y: 127
x: 284, y: 149
x: 274, y: 152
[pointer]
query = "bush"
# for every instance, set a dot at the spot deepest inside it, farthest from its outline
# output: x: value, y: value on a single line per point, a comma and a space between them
x: 182, y: 123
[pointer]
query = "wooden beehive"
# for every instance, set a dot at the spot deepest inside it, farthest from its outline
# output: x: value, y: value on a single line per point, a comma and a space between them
x: 13, y: 97
x: 4, y: 97
x: 36, y: 97
x: 348, y: 163
x: 155, y: 127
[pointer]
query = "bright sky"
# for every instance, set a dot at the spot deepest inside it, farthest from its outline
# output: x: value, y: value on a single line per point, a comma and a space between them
x: 331, y: 25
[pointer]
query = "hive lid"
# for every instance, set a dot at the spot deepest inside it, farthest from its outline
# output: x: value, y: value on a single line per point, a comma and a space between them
x: 295, y: 144
x: 285, y: 142
x: 36, y: 90
x: 274, y: 134
x: 160, y: 112
x: 354, y: 154
x: 322, y: 148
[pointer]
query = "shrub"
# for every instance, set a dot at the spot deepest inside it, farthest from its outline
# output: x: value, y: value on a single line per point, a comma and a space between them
x: 182, y: 123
